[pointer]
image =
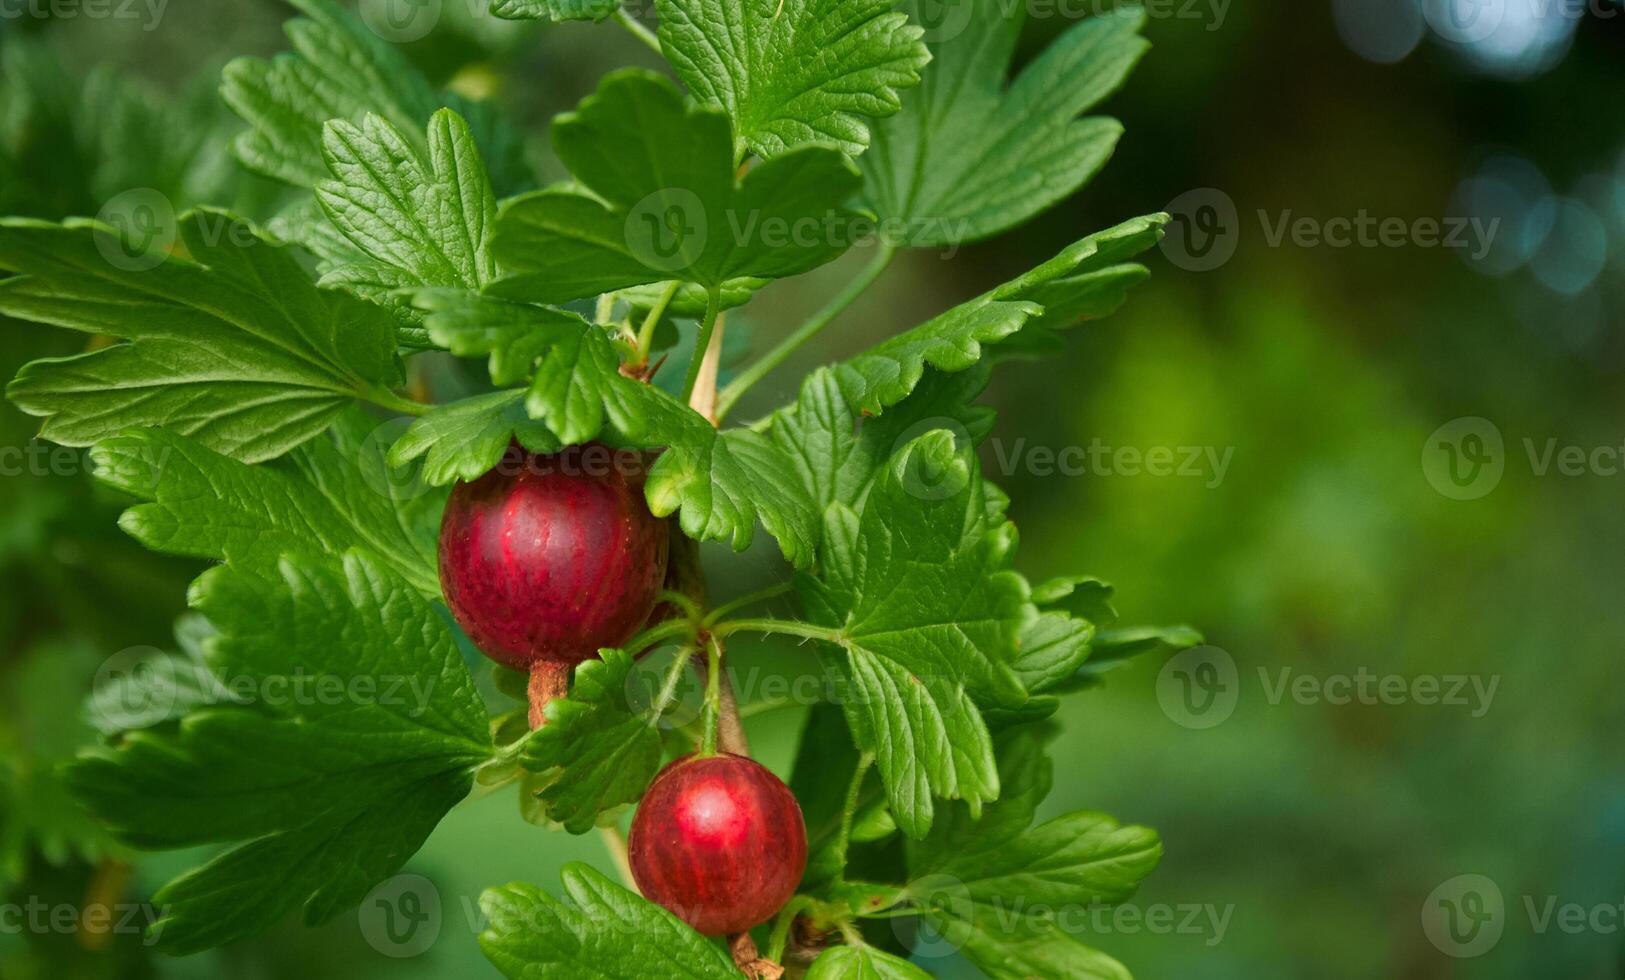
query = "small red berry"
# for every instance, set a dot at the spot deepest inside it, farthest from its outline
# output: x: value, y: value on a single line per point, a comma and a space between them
x: 719, y: 840
x: 545, y: 559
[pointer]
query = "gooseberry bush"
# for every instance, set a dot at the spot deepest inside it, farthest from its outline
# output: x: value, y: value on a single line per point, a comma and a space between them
x: 241, y: 390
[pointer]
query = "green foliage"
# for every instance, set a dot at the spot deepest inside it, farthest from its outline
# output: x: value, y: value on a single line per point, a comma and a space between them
x: 321, y: 720
x: 329, y: 792
x: 604, y: 930
x: 421, y: 220
x: 235, y: 347
x: 657, y: 199
x: 973, y: 154
x: 340, y: 69
x: 596, y: 750
x: 794, y: 73
x: 988, y: 886
x: 917, y: 591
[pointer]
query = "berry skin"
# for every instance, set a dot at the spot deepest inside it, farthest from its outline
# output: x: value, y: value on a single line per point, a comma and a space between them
x: 545, y: 559
x: 720, y: 842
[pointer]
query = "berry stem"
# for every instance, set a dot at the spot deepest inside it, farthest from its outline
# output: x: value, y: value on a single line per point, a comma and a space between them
x: 548, y: 680
x: 713, y: 696
x: 730, y: 727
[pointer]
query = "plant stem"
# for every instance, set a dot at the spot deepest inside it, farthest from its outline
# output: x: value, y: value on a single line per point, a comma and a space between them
x: 789, y: 345
x: 703, y: 397
x: 843, y: 838
x: 384, y: 398
x: 763, y: 707
x: 730, y: 730
x: 639, y: 31
x: 781, y: 926
x: 682, y: 601
x: 646, y: 333
x: 668, y: 687
x: 658, y: 634
x: 786, y: 627
x: 615, y: 844
x: 713, y: 696
x: 713, y: 307
x: 761, y: 595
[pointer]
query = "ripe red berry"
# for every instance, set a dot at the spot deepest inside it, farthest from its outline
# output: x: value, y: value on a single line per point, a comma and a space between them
x: 719, y: 841
x: 545, y: 559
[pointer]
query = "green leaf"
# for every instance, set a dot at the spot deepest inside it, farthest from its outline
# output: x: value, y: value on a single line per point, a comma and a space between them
x: 917, y: 589
x: 316, y: 502
x: 953, y: 341
x: 601, y: 752
x: 724, y: 482
x: 839, y: 452
x: 340, y: 69
x: 601, y: 931
x: 364, y: 730
x: 466, y: 439
x: 658, y: 200
x: 572, y: 366
x: 991, y: 885
x: 971, y: 155
x: 235, y: 347
x: 863, y: 963
x: 555, y: 11
x: 794, y: 73
x: 420, y: 220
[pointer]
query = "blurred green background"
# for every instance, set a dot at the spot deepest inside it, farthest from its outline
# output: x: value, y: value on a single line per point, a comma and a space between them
x: 1303, y: 838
